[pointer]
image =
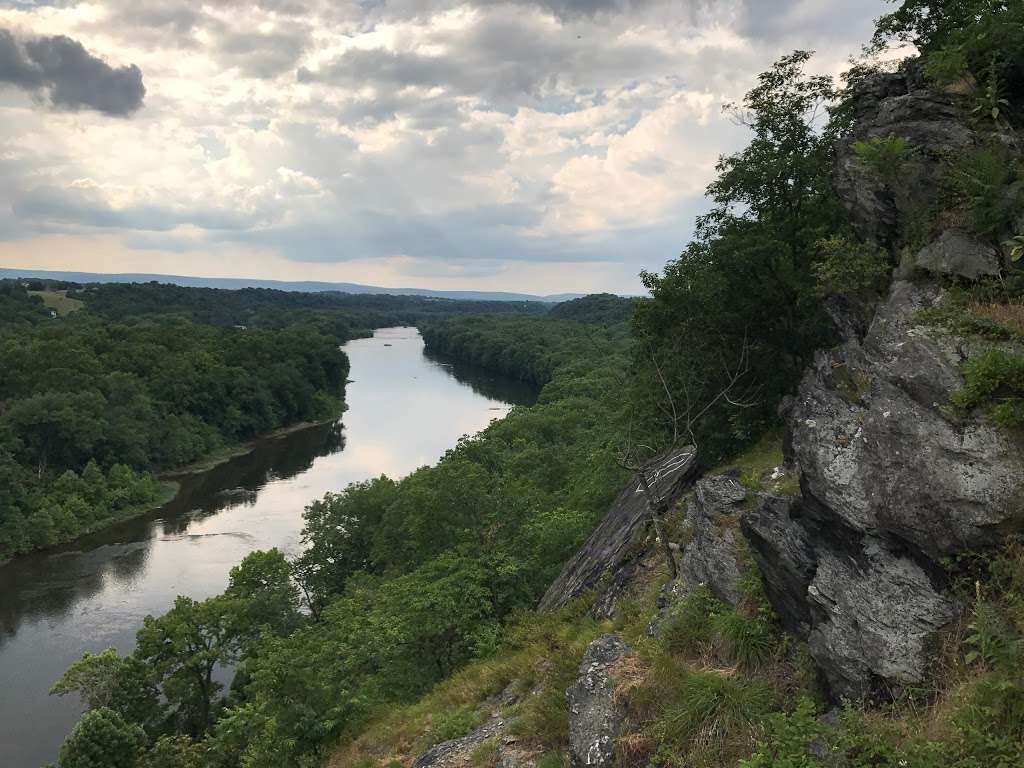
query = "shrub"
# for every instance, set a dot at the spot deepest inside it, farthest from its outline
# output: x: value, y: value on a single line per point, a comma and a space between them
x: 454, y: 724
x: 748, y: 642
x: 979, y: 180
x: 887, y: 157
x: 994, y: 381
x: 788, y: 739
x: 689, y: 628
x: 712, y: 714
x: 846, y: 267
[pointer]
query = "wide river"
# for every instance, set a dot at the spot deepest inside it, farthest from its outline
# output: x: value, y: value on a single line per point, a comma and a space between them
x: 404, y: 410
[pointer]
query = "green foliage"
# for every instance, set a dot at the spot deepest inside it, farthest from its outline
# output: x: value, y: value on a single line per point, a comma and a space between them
x: 887, y: 157
x: 1014, y: 247
x: 994, y: 381
x: 846, y: 267
x: 526, y: 348
x: 982, y: 181
x: 979, y: 40
x: 747, y: 641
x: 122, y: 684
x: 183, y: 647
x: 689, y: 627
x: 102, y: 739
x: 690, y: 717
x: 454, y: 724
x: 173, y: 752
x: 703, y: 330
x: 599, y: 308
x: 89, y: 409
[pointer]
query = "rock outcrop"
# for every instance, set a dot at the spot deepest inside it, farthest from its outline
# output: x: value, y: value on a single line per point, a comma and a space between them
x: 890, y: 486
x: 868, y: 611
x: 891, y: 483
x: 713, y: 517
x: 899, y: 104
x: 610, y: 552
x: 877, y: 453
x: 959, y: 254
x: 595, y: 716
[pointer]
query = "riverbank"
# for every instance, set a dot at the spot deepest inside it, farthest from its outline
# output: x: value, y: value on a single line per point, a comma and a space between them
x: 170, y: 482
x: 228, y: 452
x: 168, y: 491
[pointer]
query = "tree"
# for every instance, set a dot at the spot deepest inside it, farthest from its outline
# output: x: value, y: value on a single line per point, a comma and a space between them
x: 122, y: 684
x: 102, y: 739
x: 264, y: 598
x: 184, y: 646
x: 741, y: 297
x: 338, y: 535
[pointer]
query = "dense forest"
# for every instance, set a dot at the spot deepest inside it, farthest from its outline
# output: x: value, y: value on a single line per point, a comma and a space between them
x: 345, y: 315
x: 90, y: 409
x: 146, y: 378
x: 404, y: 583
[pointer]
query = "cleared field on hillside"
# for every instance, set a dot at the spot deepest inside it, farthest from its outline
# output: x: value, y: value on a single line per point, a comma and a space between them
x: 59, y: 301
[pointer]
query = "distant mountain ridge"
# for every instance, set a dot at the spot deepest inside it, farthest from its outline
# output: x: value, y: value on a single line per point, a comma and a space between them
x: 303, y: 286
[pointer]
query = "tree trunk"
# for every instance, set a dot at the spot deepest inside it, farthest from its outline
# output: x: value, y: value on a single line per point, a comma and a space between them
x: 652, y: 509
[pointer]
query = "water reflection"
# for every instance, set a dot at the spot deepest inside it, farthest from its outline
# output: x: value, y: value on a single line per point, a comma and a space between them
x: 76, y: 572
x: 405, y: 410
x: 486, y: 383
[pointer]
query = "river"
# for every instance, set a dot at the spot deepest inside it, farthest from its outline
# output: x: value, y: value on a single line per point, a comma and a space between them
x: 404, y: 410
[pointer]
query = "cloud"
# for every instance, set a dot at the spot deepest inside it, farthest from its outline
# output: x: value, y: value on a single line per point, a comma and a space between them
x: 503, y: 57
x: 262, y: 53
x: 65, y: 74
x: 517, y: 144
x: 86, y: 207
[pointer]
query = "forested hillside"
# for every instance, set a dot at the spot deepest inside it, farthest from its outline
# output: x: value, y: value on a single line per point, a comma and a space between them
x: 345, y: 315
x: 89, y: 409
x: 145, y: 378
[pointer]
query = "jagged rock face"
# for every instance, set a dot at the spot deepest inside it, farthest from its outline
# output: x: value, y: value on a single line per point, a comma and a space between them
x: 960, y: 254
x: 874, y: 615
x: 890, y: 486
x: 785, y: 556
x: 712, y: 514
x: 867, y: 611
x: 608, y: 551
x: 899, y: 104
x: 877, y: 454
x: 595, y: 717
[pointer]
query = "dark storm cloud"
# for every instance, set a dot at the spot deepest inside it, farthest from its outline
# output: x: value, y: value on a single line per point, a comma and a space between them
x: 66, y: 75
x: 806, y: 23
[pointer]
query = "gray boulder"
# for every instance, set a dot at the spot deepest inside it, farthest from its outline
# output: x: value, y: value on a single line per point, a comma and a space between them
x: 610, y: 551
x: 785, y: 556
x: 866, y: 611
x: 713, y: 516
x: 874, y: 615
x: 595, y: 717
x: 960, y: 254
x: 891, y: 485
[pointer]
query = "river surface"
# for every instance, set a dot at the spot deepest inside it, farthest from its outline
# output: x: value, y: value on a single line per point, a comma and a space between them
x: 404, y: 410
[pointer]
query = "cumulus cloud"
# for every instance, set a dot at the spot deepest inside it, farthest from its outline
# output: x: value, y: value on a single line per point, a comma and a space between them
x: 67, y: 76
x: 449, y: 141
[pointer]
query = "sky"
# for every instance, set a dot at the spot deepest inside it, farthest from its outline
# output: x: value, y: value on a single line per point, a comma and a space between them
x: 542, y: 146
